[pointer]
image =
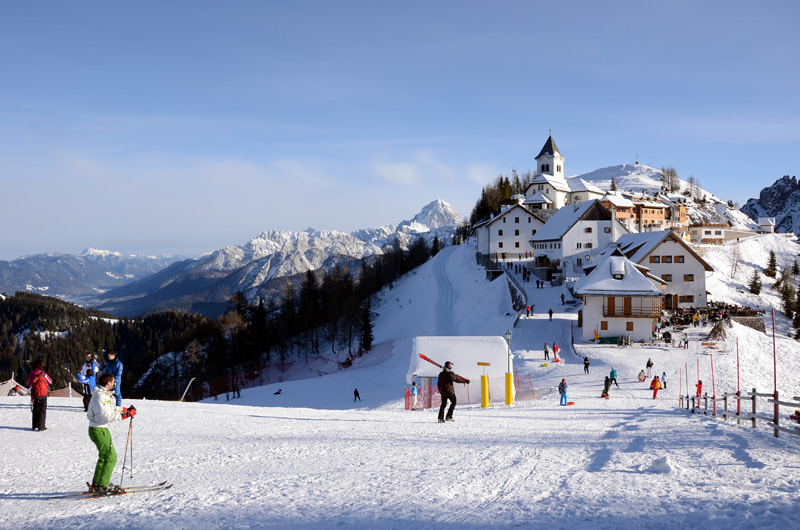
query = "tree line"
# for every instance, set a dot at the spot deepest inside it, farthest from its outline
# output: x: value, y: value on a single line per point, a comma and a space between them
x: 327, y: 313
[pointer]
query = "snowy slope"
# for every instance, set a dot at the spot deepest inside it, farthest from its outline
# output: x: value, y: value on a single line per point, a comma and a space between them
x: 311, y: 458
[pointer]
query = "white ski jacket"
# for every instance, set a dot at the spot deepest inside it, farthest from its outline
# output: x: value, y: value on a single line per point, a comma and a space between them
x: 102, y: 408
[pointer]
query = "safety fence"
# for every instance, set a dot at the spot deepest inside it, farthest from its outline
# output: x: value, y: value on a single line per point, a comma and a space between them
x: 428, y: 393
x: 707, y: 405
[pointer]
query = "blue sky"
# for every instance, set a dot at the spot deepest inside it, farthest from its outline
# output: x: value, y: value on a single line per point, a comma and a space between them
x: 184, y: 127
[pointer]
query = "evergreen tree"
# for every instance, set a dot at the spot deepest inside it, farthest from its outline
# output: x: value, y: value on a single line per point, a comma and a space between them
x: 755, y: 282
x: 795, y: 268
x: 772, y: 265
x: 367, y: 337
x: 613, y: 184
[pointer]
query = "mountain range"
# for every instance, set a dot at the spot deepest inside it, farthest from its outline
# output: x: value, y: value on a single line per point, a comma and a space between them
x: 262, y: 267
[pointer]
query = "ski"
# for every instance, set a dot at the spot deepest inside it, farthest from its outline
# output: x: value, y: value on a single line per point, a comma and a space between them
x: 425, y: 357
x: 130, y: 489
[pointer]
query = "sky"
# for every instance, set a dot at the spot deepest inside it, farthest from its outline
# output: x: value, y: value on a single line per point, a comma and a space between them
x: 185, y: 127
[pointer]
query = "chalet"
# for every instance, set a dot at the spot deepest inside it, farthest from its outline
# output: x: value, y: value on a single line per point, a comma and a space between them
x: 766, y: 225
x: 506, y: 235
x: 708, y: 233
x: 672, y: 260
x: 622, y: 207
x: 620, y: 299
x: 574, y: 236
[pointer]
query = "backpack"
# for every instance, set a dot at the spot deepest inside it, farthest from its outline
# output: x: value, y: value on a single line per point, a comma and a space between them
x: 40, y: 388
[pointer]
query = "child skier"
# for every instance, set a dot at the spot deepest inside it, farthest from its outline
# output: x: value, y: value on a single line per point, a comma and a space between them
x: 562, y: 389
x: 655, y: 386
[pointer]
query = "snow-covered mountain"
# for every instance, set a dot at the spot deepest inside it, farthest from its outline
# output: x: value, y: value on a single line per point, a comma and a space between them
x: 781, y: 201
x: 702, y: 206
x: 262, y: 267
x: 72, y: 277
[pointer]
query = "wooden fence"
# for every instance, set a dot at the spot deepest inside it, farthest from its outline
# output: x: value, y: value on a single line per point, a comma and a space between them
x: 700, y: 405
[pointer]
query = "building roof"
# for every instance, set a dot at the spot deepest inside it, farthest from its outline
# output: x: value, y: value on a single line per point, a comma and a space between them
x: 617, y: 200
x: 506, y: 212
x: 550, y: 148
x: 566, y: 217
x: 538, y: 198
x: 616, y: 275
x: 578, y: 184
x: 557, y: 183
x: 637, y: 247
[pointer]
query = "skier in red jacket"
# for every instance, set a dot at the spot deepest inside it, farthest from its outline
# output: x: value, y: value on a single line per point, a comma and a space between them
x: 655, y: 386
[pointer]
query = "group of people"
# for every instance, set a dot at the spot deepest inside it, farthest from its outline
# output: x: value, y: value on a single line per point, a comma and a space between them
x: 102, y: 402
x: 547, y: 352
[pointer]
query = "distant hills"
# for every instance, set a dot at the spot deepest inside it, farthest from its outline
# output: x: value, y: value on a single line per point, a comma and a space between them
x: 781, y: 200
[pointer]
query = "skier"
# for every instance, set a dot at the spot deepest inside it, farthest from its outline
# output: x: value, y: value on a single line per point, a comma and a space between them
x: 664, y: 380
x: 613, y: 376
x: 562, y: 389
x: 102, y: 412
x: 414, y: 395
x: 356, y: 396
x: 114, y: 367
x: 655, y: 386
x: 562, y: 298
x: 90, y: 364
x: 606, y: 387
x: 649, y: 367
x: 555, y: 351
x: 586, y: 362
x: 39, y: 383
x: 445, y: 384
x: 550, y: 313
x: 528, y: 310
x: 699, y: 388
x: 89, y: 381
x: 546, y: 352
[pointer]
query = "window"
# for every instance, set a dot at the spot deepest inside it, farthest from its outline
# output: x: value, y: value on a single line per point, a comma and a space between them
x: 516, y: 232
x: 666, y: 277
x: 607, y: 230
x: 604, y: 325
x: 629, y: 326
x: 500, y: 245
x: 717, y: 232
x: 579, y: 262
x: 516, y: 220
x: 579, y: 245
x: 499, y: 232
x: 588, y: 245
x: 516, y: 244
x: 688, y: 299
x: 655, y: 259
x: 688, y: 277
x: 533, y: 232
x: 679, y: 259
x: 504, y: 219
x: 707, y: 232
x: 666, y: 259
x: 529, y: 220
x: 588, y: 230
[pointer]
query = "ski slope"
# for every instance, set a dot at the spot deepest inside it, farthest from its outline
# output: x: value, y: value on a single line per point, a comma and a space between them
x: 311, y: 458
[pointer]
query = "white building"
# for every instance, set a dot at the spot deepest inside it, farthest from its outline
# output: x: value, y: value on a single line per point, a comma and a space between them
x: 574, y: 236
x: 619, y: 300
x: 671, y: 259
x: 507, y: 235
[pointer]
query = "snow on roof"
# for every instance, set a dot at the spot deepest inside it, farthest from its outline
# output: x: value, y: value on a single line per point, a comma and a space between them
x: 506, y: 211
x: 615, y: 276
x: 766, y: 221
x: 558, y: 183
x: 637, y: 246
x: 549, y: 148
x: 463, y: 352
x: 578, y: 184
x: 562, y: 221
x: 538, y: 198
x: 617, y: 200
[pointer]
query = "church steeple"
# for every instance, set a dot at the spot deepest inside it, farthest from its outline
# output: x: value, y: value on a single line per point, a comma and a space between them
x: 549, y: 161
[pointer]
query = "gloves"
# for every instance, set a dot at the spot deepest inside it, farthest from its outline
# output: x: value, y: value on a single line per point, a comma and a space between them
x: 129, y: 412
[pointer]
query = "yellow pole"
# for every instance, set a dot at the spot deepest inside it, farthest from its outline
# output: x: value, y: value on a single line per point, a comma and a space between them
x: 484, y: 391
x: 509, y: 388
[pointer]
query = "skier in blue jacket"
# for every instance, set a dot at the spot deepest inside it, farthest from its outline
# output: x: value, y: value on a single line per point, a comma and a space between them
x: 89, y: 381
x: 114, y: 367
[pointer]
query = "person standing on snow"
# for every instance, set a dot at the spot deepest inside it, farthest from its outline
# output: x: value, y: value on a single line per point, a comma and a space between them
x: 445, y: 384
x: 546, y: 352
x: 586, y: 362
x: 664, y: 380
x: 356, y: 396
x: 89, y: 382
x: 414, y: 395
x: 551, y: 314
x: 606, y: 387
x: 555, y: 351
x: 114, y: 367
x: 649, y: 367
x: 655, y: 386
x: 102, y: 412
x: 699, y: 388
x: 562, y: 389
x: 613, y: 377
x: 39, y: 383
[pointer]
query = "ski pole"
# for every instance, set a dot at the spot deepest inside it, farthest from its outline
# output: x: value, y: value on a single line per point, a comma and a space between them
x: 125, y: 458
